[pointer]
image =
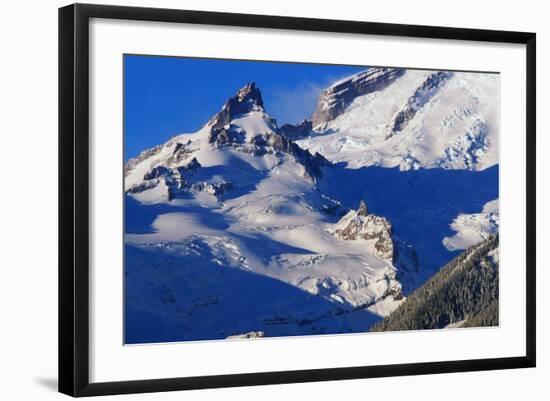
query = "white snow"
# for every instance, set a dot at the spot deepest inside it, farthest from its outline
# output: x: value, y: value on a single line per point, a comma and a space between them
x: 455, y: 325
x: 457, y: 129
x: 271, y: 226
x: 262, y: 258
x: 491, y: 207
x: 252, y: 334
x: 254, y: 123
x: 495, y: 255
x: 473, y: 228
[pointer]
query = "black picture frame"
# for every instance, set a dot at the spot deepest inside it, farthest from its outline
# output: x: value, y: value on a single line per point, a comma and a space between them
x: 74, y: 201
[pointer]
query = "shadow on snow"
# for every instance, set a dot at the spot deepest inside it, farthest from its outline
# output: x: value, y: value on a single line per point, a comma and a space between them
x: 187, y: 297
x: 420, y: 204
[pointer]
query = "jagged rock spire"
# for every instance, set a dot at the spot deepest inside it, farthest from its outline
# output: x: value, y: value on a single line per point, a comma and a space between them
x: 247, y: 99
x: 251, y: 95
x: 369, y: 227
x: 362, y: 211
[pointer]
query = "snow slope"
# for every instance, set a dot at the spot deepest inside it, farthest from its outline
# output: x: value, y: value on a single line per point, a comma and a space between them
x: 419, y: 119
x: 228, y: 234
x: 237, y: 231
x: 473, y: 228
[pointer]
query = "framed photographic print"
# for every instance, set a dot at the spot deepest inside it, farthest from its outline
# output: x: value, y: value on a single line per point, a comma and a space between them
x: 249, y: 199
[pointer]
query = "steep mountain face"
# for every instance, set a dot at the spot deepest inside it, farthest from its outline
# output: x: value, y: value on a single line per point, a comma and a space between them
x: 178, y: 167
x: 247, y: 100
x: 463, y: 294
x: 229, y: 235
x: 362, y: 225
x: 335, y: 99
x: 377, y: 234
x: 419, y: 99
x: 409, y: 119
x: 301, y: 130
x: 245, y: 229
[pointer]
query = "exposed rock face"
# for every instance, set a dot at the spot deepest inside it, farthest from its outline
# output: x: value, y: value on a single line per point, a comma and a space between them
x: 274, y: 141
x: 334, y: 100
x: 361, y: 225
x: 182, y: 151
x: 243, y: 125
x: 217, y: 190
x: 175, y: 179
x: 421, y: 96
x: 294, y: 132
x: 394, y: 287
x: 362, y: 211
x: 247, y: 99
x: 226, y: 135
x: 130, y: 164
x: 252, y: 334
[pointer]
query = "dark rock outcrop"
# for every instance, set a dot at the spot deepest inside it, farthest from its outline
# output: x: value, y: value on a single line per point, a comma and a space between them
x: 131, y: 163
x: 274, y: 141
x: 181, y: 152
x: 294, y: 132
x: 335, y: 99
x: 175, y: 179
x: 247, y: 99
x: 362, y: 225
x: 215, y: 189
x: 362, y: 211
x: 421, y: 96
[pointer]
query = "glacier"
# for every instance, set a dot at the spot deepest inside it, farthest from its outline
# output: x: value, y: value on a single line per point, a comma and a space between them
x: 245, y: 229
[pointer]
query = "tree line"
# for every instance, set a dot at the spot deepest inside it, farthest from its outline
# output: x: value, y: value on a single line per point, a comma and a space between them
x: 465, y: 289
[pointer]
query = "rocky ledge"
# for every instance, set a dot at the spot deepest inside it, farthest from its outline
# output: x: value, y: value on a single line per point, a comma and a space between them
x: 421, y: 96
x: 297, y: 131
x: 335, y: 99
x: 361, y: 224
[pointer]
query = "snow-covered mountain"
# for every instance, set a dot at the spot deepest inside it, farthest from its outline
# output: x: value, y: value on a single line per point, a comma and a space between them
x: 409, y: 118
x: 228, y: 235
x: 245, y: 229
x: 227, y: 157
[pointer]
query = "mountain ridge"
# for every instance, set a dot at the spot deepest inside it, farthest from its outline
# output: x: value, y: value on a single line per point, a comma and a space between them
x: 246, y: 199
x: 412, y: 119
x: 240, y: 196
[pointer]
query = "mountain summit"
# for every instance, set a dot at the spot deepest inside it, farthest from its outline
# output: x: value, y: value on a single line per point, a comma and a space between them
x: 241, y: 130
x: 243, y: 228
x: 410, y: 119
x: 247, y: 99
x: 237, y: 205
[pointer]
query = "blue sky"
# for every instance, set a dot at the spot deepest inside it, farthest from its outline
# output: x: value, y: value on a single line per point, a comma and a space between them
x: 165, y: 96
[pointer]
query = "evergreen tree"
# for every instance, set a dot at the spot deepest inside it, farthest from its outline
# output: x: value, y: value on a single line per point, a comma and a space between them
x: 464, y: 289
